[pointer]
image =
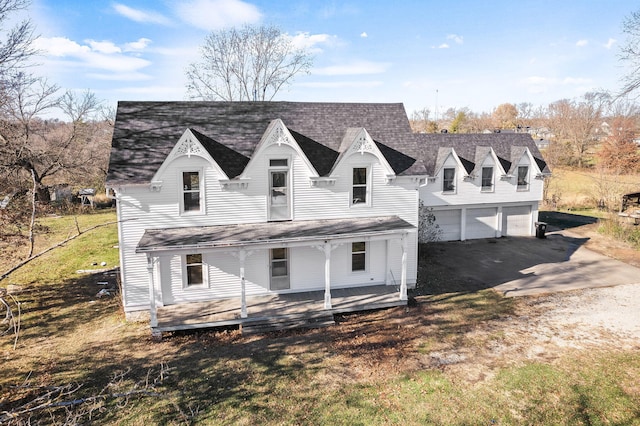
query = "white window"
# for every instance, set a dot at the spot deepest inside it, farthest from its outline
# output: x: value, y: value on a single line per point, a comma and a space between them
x: 191, y: 192
x: 358, y: 256
x: 448, y: 180
x: 360, y: 192
x: 194, y: 270
x: 523, y: 178
x: 487, y: 179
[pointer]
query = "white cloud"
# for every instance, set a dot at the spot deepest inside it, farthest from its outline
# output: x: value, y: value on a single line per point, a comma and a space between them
x: 139, y: 15
x: 610, y: 43
x: 137, y: 46
x: 311, y: 42
x: 103, y: 46
x: 354, y: 68
x: 60, y: 46
x: 582, y: 43
x: 364, y: 35
x: 103, y: 56
x: 216, y: 14
x: 442, y: 46
x: 456, y: 38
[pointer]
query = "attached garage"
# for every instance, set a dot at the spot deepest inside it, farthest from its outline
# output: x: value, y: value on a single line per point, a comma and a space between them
x: 516, y: 221
x: 449, y: 223
x: 481, y: 223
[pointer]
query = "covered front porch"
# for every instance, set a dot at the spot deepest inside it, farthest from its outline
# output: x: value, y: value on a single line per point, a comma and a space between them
x: 343, y: 291
x: 304, y: 306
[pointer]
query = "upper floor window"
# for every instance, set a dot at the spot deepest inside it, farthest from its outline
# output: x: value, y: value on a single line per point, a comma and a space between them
x: 358, y: 256
x: 194, y: 269
x: 523, y: 178
x: 191, y: 191
x: 360, y: 190
x: 448, y: 180
x: 487, y: 179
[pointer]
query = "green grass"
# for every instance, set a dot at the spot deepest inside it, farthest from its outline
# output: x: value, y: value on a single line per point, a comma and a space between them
x: 95, y: 246
x: 579, y: 190
x: 614, y: 227
x: 363, y: 371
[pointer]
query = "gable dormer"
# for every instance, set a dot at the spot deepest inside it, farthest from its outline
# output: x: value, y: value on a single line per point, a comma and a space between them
x: 357, y: 141
x: 277, y: 134
x: 449, y: 165
x: 194, y: 144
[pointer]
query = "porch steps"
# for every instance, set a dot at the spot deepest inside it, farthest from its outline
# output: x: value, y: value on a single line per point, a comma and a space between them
x: 286, y: 323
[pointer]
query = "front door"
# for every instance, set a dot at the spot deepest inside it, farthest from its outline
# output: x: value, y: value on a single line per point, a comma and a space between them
x: 279, y: 195
x: 279, y: 269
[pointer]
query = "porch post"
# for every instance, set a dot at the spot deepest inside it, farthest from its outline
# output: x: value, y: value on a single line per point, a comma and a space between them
x: 403, y: 280
x: 153, y: 321
x: 243, y: 290
x: 327, y: 275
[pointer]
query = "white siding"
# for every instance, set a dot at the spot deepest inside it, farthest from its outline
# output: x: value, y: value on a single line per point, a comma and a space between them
x: 142, y: 209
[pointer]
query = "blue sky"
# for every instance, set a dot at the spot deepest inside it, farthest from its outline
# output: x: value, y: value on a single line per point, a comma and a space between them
x: 475, y: 54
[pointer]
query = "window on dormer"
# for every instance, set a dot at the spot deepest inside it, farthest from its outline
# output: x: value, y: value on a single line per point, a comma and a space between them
x: 191, y: 191
x: 359, y: 192
x: 523, y: 178
x: 487, y: 178
x: 448, y: 180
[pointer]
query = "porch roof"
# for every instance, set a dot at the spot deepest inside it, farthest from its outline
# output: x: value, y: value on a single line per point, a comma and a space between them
x: 250, y: 234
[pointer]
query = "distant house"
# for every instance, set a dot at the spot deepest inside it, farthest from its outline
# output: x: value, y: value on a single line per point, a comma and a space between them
x: 240, y: 213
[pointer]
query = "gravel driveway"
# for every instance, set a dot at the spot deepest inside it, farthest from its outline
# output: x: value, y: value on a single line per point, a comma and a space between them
x: 576, y: 297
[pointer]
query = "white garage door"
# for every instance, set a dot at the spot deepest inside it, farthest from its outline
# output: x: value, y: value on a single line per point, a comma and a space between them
x: 449, y: 223
x: 516, y: 221
x: 481, y: 223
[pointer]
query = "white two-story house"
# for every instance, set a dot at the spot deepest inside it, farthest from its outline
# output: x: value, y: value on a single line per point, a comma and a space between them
x: 237, y: 212
x: 233, y: 201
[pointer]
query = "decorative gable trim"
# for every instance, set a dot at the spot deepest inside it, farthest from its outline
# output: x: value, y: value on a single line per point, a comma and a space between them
x: 358, y: 141
x: 363, y: 143
x: 188, y: 145
x: 278, y: 134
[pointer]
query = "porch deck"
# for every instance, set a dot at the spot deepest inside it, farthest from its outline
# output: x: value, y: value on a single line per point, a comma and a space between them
x: 304, y: 305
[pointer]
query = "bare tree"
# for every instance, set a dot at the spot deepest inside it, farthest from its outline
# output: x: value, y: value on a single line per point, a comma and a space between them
x: 576, y: 125
x: 15, y: 48
x: 248, y: 64
x: 35, y: 148
x: 630, y: 52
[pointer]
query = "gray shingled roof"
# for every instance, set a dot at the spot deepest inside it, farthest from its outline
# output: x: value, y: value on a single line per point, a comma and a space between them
x: 427, y: 146
x: 198, y: 237
x: 145, y: 132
